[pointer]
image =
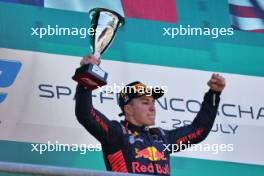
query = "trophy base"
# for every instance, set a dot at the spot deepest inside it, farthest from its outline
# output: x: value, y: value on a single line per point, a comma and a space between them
x: 91, y: 76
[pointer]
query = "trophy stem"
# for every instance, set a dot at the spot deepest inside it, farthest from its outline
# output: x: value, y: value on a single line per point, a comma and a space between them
x: 97, y: 55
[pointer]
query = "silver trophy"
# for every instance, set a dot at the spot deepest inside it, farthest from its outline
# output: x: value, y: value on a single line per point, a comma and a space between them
x: 105, y: 23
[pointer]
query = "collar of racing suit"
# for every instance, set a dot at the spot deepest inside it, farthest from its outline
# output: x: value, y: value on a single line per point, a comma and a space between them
x: 130, y: 126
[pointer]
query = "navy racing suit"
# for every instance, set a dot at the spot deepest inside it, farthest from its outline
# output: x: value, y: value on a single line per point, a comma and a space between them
x: 142, y: 150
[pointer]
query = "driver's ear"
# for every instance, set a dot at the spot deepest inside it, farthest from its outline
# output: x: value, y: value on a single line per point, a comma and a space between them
x: 128, y: 109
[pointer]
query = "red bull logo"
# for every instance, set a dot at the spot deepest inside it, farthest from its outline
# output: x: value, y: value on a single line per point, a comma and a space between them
x: 150, y: 168
x: 150, y: 153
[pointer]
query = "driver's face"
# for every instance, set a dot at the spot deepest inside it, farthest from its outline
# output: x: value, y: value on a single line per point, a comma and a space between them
x: 143, y: 110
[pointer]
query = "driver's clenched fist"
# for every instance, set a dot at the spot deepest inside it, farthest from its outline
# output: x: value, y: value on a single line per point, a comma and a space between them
x: 216, y: 83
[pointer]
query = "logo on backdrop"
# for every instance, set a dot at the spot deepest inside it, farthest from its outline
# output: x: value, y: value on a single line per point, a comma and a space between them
x: 8, y: 72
